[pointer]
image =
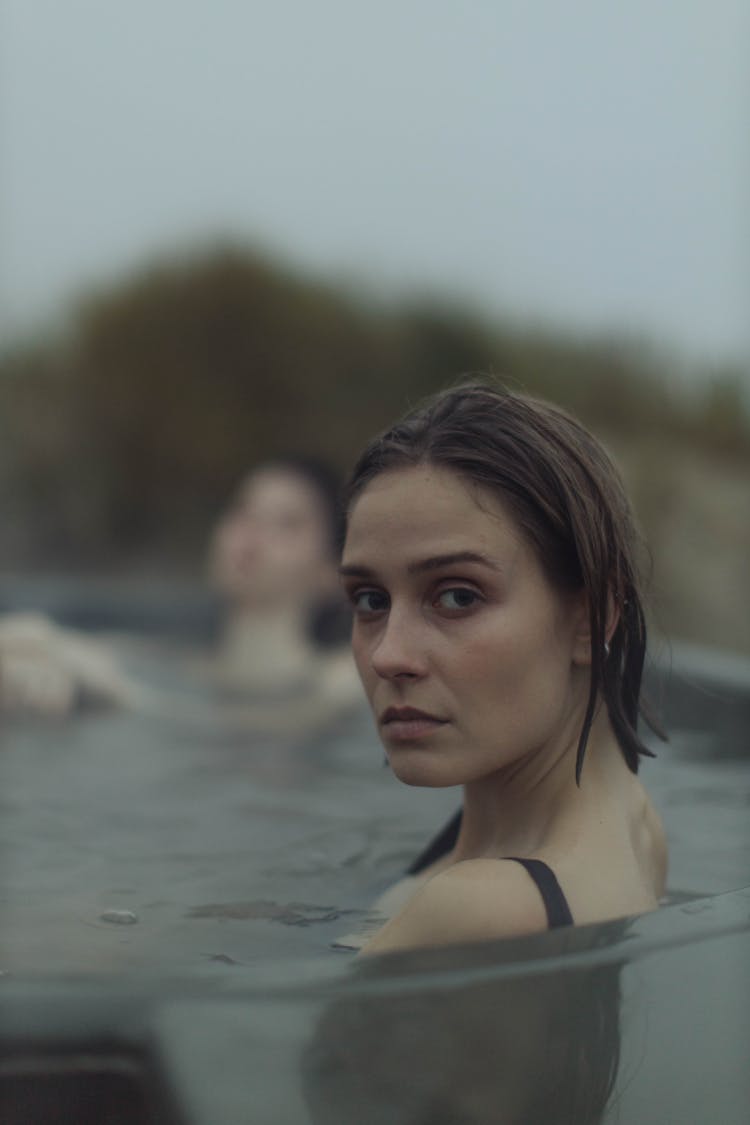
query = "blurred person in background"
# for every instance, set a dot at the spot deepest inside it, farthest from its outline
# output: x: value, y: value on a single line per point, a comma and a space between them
x: 273, y: 562
x: 281, y: 657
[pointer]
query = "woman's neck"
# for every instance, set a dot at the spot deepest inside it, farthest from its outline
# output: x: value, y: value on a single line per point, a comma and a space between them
x: 534, y: 803
x: 265, y: 647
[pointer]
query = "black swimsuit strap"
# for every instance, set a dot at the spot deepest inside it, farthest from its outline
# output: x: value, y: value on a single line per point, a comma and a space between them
x: 555, y: 902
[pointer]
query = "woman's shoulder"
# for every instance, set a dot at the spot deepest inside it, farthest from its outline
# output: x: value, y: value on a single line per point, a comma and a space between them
x: 655, y: 847
x: 472, y: 900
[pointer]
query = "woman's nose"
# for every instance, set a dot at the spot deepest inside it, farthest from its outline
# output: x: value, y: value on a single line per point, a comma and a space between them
x: 399, y: 651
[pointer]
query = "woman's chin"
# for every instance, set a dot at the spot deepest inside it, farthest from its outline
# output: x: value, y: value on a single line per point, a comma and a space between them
x: 412, y: 768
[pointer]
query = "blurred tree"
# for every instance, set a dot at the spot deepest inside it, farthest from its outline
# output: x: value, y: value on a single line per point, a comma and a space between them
x: 722, y: 415
x: 123, y: 439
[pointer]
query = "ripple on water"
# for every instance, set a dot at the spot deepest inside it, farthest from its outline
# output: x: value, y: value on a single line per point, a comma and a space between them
x: 119, y: 917
x: 289, y: 914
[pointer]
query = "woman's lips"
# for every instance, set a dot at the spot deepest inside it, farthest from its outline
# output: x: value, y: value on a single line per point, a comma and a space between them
x: 405, y: 724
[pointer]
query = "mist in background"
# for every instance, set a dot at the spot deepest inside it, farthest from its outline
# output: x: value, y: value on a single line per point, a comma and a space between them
x: 231, y: 230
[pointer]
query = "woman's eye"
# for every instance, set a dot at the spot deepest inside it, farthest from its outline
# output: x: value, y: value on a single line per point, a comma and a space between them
x: 369, y: 601
x: 458, y: 597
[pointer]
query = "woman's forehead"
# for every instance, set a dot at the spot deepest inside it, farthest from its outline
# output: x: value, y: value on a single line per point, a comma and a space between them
x: 427, y: 506
x: 405, y: 489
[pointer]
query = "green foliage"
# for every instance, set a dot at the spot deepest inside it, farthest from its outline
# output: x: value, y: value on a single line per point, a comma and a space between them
x: 124, y: 440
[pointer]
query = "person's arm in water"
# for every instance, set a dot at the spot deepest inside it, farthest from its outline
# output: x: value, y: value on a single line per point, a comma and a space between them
x: 48, y: 670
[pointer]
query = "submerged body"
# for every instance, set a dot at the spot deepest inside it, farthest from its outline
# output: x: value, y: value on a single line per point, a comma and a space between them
x: 478, y: 670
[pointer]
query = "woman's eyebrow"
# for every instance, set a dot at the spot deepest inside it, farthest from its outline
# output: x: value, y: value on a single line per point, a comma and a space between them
x: 435, y: 562
x: 356, y: 572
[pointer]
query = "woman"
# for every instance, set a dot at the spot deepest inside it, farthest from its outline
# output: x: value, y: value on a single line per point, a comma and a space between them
x: 273, y: 564
x: 282, y: 654
x: 281, y: 661
x: 490, y: 560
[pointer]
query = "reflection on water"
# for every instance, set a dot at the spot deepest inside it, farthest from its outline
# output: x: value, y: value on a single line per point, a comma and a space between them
x: 543, y: 1047
x: 288, y: 914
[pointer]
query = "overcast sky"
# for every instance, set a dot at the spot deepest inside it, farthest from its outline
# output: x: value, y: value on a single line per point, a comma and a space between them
x: 584, y: 161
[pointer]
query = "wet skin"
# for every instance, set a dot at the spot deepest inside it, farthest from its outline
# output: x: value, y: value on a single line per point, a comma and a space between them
x: 455, y: 619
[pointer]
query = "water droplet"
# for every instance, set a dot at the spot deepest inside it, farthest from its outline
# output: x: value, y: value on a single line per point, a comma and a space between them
x: 119, y: 917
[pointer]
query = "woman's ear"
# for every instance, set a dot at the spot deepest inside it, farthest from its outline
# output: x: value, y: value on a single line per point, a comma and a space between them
x: 582, y: 627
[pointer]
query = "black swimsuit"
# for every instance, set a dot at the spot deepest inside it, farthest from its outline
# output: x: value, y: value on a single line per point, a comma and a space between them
x: 555, y: 903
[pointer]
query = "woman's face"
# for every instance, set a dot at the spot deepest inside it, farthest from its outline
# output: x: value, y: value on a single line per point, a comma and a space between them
x: 271, y: 546
x: 470, y: 659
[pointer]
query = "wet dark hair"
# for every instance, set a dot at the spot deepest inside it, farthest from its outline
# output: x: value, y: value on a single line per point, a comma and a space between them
x: 568, y: 499
x: 326, y: 482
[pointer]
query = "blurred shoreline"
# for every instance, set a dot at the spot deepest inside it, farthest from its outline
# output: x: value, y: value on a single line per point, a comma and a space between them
x: 121, y: 437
